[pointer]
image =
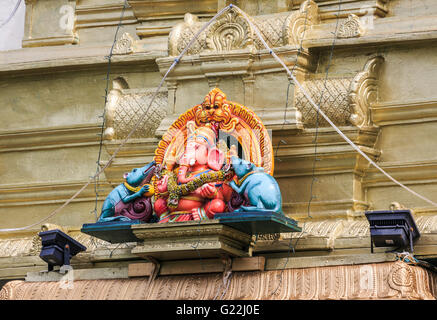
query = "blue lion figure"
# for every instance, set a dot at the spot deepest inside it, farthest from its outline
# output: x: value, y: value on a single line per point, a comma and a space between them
x: 258, y: 187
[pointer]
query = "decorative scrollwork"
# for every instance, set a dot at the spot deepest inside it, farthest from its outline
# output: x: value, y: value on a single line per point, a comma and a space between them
x: 124, y: 45
x: 364, y: 91
x: 232, y: 31
x: 350, y: 28
x: 229, y: 32
x: 298, y: 23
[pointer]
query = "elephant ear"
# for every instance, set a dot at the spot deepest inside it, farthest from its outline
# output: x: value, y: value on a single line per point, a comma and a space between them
x: 216, y: 158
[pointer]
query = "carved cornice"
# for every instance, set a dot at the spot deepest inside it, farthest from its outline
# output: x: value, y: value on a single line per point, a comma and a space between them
x: 29, y: 195
x: 410, y: 173
x: 146, y: 10
x: 238, y: 62
x: 324, y: 235
x: 329, y: 9
x: 91, y: 16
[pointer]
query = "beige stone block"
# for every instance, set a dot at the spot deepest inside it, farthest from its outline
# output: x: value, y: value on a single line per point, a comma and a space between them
x: 50, y: 23
x: 142, y: 269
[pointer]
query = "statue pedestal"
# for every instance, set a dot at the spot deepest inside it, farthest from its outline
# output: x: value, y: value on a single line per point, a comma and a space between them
x: 256, y: 223
x: 229, y: 234
x: 190, y: 240
x: 113, y: 231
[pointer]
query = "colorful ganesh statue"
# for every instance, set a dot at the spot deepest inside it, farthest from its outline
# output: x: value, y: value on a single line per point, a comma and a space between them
x: 196, y: 174
x: 196, y: 189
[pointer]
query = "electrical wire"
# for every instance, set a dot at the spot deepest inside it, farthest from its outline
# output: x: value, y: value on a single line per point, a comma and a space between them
x: 290, y: 246
x: 14, y: 11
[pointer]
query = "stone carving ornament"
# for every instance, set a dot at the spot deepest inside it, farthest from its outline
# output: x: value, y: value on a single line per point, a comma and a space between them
x: 126, y: 107
x: 231, y: 31
x: 346, y: 101
x: 124, y: 45
x: 351, y: 27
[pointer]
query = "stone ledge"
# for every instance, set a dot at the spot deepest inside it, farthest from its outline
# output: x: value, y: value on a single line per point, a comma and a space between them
x: 66, y: 58
x: 81, y: 274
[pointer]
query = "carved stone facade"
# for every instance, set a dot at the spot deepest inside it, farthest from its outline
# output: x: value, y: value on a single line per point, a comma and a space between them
x: 377, y: 85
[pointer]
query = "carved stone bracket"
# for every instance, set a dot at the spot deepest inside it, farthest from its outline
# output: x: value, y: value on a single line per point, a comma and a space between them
x: 126, y: 107
x: 346, y: 101
x: 231, y: 31
x: 363, y: 92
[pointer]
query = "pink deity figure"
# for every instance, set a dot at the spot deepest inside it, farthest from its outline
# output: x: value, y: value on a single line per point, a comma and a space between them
x: 200, y: 156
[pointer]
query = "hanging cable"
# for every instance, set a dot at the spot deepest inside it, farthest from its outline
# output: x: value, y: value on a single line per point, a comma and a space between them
x: 313, y: 179
x: 14, y: 11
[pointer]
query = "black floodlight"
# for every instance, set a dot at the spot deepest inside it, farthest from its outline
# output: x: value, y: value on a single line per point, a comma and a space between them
x: 58, y: 248
x: 392, y: 228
